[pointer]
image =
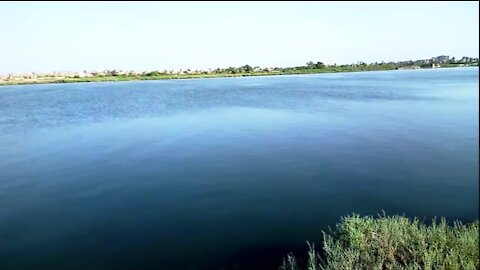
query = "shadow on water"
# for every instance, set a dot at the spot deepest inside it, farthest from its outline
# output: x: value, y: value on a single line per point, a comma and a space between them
x: 262, y: 257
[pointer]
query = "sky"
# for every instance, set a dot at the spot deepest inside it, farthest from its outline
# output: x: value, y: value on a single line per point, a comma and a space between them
x: 77, y: 36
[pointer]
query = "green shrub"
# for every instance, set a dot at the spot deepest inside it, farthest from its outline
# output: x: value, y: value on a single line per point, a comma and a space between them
x: 394, y: 243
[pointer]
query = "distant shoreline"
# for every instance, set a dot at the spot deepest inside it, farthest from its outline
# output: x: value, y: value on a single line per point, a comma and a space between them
x: 197, y: 76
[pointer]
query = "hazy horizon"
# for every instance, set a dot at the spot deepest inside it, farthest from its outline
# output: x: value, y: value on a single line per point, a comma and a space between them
x: 51, y: 36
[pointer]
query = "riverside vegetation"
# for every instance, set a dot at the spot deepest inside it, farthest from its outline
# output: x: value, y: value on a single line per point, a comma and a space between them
x: 394, y: 242
x: 246, y: 70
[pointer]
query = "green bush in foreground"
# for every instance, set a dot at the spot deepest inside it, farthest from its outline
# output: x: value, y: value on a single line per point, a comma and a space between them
x: 394, y: 243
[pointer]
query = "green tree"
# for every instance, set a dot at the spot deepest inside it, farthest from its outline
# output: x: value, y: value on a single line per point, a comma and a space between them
x: 310, y: 64
x: 246, y: 68
x: 319, y: 65
x: 153, y: 73
x: 231, y: 70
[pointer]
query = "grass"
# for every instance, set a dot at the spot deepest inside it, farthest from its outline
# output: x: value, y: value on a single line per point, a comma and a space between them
x: 395, y: 243
x: 285, y: 71
x: 132, y: 78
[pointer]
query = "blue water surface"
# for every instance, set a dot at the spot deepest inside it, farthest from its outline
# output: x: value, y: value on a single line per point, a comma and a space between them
x: 227, y: 173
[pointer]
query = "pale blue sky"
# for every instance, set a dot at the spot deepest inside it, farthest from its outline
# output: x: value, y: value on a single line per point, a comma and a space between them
x: 52, y: 36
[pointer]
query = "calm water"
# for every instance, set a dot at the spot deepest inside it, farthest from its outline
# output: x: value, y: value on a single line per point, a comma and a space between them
x: 227, y: 173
